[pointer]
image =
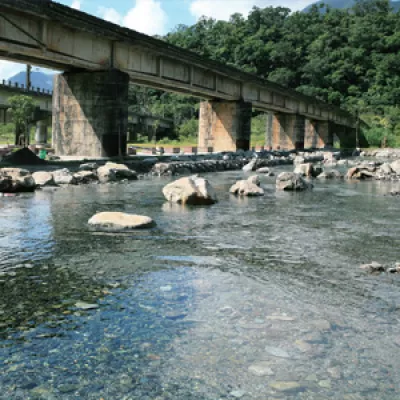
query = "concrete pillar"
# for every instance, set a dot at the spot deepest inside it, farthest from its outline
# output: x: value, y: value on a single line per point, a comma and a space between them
x: 41, y: 132
x: 225, y: 125
x: 318, y: 134
x: 346, y: 135
x: 90, y: 113
x: 285, y: 131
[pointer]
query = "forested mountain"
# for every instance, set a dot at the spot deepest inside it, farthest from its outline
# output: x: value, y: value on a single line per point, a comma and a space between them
x: 348, y: 57
x: 395, y: 5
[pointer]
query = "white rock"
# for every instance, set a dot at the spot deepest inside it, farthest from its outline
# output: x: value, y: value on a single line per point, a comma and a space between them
x: 246, y: 188
x: 291, y: 181
x: 85, y: 176
x: 63, y: 177
x: 13, y: 180
x: 43, y: 178
x: 250, y: 166
x: 190, y: 190
x: 120, y: 221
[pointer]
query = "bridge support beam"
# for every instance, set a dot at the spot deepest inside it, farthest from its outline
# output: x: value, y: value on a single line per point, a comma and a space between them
x: 90, y: 113
x: 225, y: 125
x: 285, y: 131
x: 41, y: 132
x: 346, y: 136
x: 318, y: 134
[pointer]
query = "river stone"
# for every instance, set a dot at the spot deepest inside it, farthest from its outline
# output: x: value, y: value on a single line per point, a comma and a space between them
x: 246, y: 188
x: 285, y: 386
x: 291, y: 181
x: 113, y: 172
x: 250, y: 166
x: 14, y: 180
x: 299, y: 160
x: 161, y: 169
x: 307, y: 169
x: 395, y: 166
x: 385, y: 168
x: 86, y: 306
x: 193, y: 190
x: 351, y: 173
x: 85, y: 176
x: 63, y: 177
x: 116, y: 221
x: 333, y: 174
x: 277, y: 352
x: 255, y: 179
x: 88, y: 167
x: 373, y: 268
x: 43, y: 178
x: 261, y: 368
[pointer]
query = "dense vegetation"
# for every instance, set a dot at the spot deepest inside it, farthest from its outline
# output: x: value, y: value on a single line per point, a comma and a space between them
x: 349, y: 57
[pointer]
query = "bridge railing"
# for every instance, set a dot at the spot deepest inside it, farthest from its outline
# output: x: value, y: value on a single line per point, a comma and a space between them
x: 21, y: 87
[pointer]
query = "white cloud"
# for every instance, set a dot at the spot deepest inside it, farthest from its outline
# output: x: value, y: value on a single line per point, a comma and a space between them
x: 223, y: 9
x: 76, y: 4
x: 9, y: 69
x: 147, y: 16
x: 110, y: 14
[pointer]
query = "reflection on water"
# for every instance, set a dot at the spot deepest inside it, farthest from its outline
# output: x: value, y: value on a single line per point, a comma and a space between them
x: 254, y: 298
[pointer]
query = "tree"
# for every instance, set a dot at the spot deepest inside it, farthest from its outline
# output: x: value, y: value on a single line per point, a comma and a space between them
x: 21, y: 110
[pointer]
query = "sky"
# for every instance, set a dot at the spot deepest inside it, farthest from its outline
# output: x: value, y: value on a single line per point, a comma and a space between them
x: 158, y: 17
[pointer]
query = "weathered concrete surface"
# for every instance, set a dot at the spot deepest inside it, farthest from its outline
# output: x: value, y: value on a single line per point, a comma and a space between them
x: 285, y: 131
x: 225, y: 125
x: 90, y: 113
x: 75, y: 40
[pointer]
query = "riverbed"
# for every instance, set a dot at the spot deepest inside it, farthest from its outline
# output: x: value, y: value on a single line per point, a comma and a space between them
x: 251, y: 298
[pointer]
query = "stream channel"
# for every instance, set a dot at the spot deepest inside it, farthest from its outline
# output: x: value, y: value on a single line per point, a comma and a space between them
x: 251, y: 298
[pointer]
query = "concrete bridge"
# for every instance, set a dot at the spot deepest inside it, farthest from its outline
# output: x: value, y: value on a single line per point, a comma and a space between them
x: 137, y: 122
x: 90, y: 99
x: 43, y: 101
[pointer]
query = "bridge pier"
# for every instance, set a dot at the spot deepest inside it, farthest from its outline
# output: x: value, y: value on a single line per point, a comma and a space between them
x: 225, y: 125
x: 41, y: 132
x: 285, y: 131
x: 318, y: 134
x: 346, y: 136
x: 90, y: 113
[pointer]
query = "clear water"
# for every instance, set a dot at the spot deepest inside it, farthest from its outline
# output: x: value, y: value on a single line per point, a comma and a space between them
x: 255, y: 298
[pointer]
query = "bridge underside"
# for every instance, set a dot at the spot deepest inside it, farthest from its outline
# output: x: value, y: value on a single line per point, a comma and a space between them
x: 90, y: 118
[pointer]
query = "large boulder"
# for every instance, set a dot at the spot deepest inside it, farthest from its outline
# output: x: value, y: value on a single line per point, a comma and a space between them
x: 307, y: 169
x: 248, y: 187
x: 162, y: 169
x: 193, y: 190
x: 88, y: 167
x: 43, y: 178
x: 395, y: 166
x: 117, y: 221
x: 332, y: 174
x: 385, y: 169
x: 13, y: 180
x: 114, y: 172
x: 63, y: 177
x: 251, y: 166
x: 291, y: 181
x: 85, y: 176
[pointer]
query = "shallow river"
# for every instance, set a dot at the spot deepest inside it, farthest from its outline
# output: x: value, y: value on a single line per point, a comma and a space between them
x: 256, y: 298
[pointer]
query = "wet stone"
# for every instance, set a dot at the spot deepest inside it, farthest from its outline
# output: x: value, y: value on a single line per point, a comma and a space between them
x: 285, y: 386
x: 261, y: 368
x: 81, y: 305
x: 277, y: 352
x: 237, y: 394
